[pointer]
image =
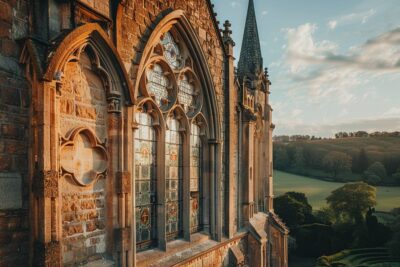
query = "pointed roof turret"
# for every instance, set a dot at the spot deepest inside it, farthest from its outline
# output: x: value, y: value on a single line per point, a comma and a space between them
x: 250, y: 61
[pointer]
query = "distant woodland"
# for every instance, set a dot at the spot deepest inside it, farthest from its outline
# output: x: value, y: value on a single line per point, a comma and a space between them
x: 372, y: 158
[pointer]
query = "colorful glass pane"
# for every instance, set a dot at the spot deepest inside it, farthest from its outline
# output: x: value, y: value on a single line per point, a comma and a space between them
x: 173, y: 179
x: 145, y: 181
x: 195, y: 178
x: 186, y: 94
x: 157, y: 84
x: 172, y: 52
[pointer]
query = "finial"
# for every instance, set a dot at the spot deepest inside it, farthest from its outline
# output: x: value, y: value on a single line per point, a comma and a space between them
x: 227, y: 31
x: 266, y: 73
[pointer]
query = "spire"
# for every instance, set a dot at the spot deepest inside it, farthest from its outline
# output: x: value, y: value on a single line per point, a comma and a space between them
x: 250, y: 61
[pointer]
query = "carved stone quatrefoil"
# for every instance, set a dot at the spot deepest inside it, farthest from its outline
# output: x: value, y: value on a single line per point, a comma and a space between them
x: 83, y: 157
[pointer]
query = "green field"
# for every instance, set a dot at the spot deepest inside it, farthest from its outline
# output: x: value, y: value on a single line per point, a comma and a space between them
x: 317, y: 190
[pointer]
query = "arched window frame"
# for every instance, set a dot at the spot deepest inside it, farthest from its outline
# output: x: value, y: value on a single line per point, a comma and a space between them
x: 195, y: 60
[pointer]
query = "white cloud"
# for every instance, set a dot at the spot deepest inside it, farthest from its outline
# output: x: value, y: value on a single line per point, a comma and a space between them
x: 301, y: 45
x: 264, y: 12
x: 235, y: 4
x: 394, y: 111
x: 332, y: 24
x: 321, y: 73
x: 360, y: 17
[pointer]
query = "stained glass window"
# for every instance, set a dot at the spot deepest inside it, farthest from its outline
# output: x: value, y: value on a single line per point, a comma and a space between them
x: 171, y: 51
x: 195, y: 178
x: 186, y: 94
x: 173, y: 179
x: 145, y: 181
x: 157, y: 84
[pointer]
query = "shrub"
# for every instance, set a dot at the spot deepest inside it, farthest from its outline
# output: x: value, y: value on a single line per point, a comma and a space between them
x: 378, y: 169
x: 371, y: 178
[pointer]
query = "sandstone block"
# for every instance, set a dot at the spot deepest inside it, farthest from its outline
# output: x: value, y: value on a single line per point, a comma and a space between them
x: 6, y: 12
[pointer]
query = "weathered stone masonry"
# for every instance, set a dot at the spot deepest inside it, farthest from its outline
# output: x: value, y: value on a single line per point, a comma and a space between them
x: 127, y: 138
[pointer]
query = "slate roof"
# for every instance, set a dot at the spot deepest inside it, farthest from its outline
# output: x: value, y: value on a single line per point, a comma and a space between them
x: 250, y: 61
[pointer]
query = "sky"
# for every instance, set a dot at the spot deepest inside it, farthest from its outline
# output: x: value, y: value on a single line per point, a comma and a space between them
x: 334, y: 65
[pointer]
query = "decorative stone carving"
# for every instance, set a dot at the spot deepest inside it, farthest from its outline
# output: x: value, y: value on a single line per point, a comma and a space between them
x: 45, y: 184
x: 114, y: 105
x: 83, y: 157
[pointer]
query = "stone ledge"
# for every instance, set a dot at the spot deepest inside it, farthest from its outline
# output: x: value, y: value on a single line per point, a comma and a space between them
x: 180, y: 251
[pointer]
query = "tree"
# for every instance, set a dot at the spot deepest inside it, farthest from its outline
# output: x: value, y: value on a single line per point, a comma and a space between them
x: 372, y: 179
x: 281, y: 160
x: 299, y: 161
x: 325, y: 216
x: 352, y: 200
x: 394, y: 244
x: 337, y: 162
x: 362, y: 161
x: 396, y: 177
x: 375, y: 173
x: 293, y: 208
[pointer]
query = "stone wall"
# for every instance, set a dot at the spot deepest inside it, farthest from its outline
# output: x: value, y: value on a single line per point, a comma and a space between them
x: 83, y: 105
x: 14, y: 125
x: 14, y: 238
x: 101, y: 6
x: 221, y: 256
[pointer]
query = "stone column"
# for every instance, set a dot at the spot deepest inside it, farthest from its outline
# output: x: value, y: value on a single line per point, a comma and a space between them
x: 231, y: 141
x: 186, y: 185
x: 46, y: 246
x: 161, y: 194
x: 247, y: 174
x: 121, y: 180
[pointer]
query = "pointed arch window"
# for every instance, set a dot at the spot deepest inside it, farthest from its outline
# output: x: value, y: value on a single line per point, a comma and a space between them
x: 173, y: 178
x: 177, y: 105
x: 145, y: 147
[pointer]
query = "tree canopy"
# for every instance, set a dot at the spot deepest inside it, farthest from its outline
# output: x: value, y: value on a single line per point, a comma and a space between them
x: 293, y: 208
x: 337, y: 162
x: 352, y: 200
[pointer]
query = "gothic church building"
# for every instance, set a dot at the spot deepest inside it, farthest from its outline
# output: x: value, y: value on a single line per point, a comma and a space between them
x: 128, y: 137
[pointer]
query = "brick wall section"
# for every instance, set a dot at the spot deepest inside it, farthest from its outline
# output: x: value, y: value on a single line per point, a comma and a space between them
x: 101, y: 6
x: 14, y: 123
x: 14, y: 238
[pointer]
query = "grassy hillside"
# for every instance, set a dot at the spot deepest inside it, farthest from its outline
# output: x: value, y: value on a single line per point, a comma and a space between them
x: 356, y: 155
x: 317, y: 190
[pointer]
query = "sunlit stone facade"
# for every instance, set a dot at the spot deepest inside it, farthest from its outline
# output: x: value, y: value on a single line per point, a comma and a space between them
x: 127, y: 138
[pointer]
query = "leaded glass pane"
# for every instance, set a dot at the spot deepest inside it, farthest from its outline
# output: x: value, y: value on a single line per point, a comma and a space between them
x: 172, y: 52
x: 157, y: 84
x: 195, y: 178
x: 186, y: 94
x: 173, y: 179
x: 145, y: 181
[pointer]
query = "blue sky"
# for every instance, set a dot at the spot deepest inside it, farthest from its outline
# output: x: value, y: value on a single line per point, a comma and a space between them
x: 334, y: 65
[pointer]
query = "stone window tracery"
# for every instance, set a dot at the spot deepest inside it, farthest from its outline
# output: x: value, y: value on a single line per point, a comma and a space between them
x: 172, y: 52
x: 177, y: 96
x: 158, y: 84
x: 186, y: 94
x: 145, y: 180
